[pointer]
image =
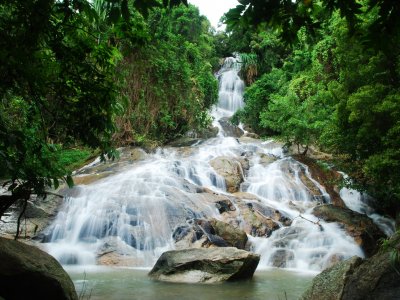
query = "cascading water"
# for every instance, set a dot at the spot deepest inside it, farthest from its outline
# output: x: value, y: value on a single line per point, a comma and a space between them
x: 137, y: 212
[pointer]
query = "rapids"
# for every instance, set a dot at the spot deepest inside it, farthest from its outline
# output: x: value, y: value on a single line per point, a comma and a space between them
x: 135, y: 210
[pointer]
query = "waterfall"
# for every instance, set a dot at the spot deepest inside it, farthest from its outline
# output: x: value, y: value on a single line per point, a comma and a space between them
x: 231, y: 87
x: 140, y: 207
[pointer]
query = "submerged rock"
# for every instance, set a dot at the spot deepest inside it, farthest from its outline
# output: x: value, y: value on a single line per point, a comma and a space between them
x: 360, y: 227
x: 354, y: 279
x: 26, y: 270
x: 205, y: 265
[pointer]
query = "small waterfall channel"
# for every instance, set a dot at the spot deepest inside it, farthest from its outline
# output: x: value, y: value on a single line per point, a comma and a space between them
x: 146, y: 204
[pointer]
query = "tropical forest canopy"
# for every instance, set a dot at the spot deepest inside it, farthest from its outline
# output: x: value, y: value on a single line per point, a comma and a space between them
x: 96, y: 74
x: 79, y: 74
x: 326, y: 73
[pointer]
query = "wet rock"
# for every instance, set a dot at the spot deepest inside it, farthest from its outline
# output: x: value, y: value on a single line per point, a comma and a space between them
x: 231, y: 169
x: 40, y: 212
x: 86, y: 179
x: 266, y: 159
x: 184, y: 142
x: 281, y: 258
x: 201, y: 233
x: 115, y: 252
x: 229, y: 128
x: 234, y: 237
x: 205, y: 265
x: 224, y: 206
x: 360, y: 227
x: 180, y: 232
x: 252, y: 135
x: 326, y: 177
x: 355, y: 279
x: 329, y: 284
x: 376, y: 278
x: 207, y: 133
x: 255, y: 218
x: 312, y: 187
x: 26, y: 270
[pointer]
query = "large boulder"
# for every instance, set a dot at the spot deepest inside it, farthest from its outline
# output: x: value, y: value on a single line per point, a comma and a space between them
x: 329, y: 284
x: 205, y: 265
x: 26, y: 270
x: 360, y: 227
x: 232, y: 169
x: 374, y: 278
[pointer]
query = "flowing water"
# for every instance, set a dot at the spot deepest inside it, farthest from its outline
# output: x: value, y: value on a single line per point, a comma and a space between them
x: 135, y: 212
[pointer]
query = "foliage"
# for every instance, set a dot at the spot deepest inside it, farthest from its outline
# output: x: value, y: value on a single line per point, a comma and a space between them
x: 338, y: 90
x: 169, y: 81
x: 58, y: 84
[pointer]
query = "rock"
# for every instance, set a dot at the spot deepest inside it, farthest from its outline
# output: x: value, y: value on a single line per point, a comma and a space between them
x: 360, y: 227
x: 184, y: 142
x: 281, y: 257
x: 326, y: 177
x: 355, y: 279
x: 86, y: 179
x: 252, y: 135
x: 230, y: 129
x: 329, y: 284
x: 234, y: 237
x: 210, y: 132
x: 208, y: 233
x: 207, y: 133
x: 224, y: 206
x: 205, y: 265
x: 26, y: 270
x: 266, y: 159
x: 255, y: 219
x: 231, y: 169
x: 376, y: 278
x: 39, y: 213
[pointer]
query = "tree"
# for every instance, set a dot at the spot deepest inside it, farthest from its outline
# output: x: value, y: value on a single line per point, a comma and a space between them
x: 57, y: 85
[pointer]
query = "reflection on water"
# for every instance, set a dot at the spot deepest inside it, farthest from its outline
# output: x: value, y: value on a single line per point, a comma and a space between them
x: 122, y: 283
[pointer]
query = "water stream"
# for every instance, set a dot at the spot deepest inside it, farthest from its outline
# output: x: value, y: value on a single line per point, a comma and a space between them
x: 135, y: 212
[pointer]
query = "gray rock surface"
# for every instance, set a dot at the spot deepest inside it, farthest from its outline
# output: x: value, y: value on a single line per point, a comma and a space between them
x: 232, y: 169
x: 230, y: 129
x: 26, y: 270
x: 205, y: 265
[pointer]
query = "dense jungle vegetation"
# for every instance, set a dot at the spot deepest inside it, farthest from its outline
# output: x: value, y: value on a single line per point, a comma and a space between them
x: 103, y: 73
x: 80, y: 75
x: 326, y: 73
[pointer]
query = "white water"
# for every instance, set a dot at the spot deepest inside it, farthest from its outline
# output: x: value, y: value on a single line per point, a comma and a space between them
x: 137, y: 210
x: 359, y: 202
x: 231, y: 87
